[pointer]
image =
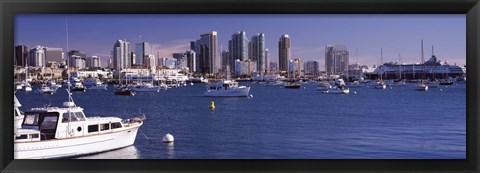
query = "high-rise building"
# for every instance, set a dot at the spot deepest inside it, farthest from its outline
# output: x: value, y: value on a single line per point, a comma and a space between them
x: 295, y: 68
x: 336, y: 59
x: 238, y: 48
x: 142, y: 50
x: 267, y: 60
x: 208, y: 53
x: 77, y: 61
x: 247, y: 67
x: 93, y: 62
x: 132, y: 58
x: 258, y: 52
x: 273, y: 67
x: 21, y: 55
x: 37, y: 57
x: 54, y: 55
x: 191, y: 62
x: 150, y: 61
x: 284, y: 52
x: 195, y: 46
x: 225, y: 59
x: 121, y: 50
x: 78, y: 53
x: 311, y: 68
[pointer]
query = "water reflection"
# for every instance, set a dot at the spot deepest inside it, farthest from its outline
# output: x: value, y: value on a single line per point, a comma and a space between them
x: 170, y: 150
x: 129, y: 152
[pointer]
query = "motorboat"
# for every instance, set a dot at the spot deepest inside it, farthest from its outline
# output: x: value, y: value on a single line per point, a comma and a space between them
x: 79, y: 87
x: 226, y: 88
x: 98, y: 86
x: 45, y: 89
x: 380, y: 85
x: 338, y: 90
x: 446, y: 82
x: 292, y: 85
x: 63, y: 132
x: 123, y: 90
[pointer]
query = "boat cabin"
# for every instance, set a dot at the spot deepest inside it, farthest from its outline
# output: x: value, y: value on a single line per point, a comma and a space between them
x: 223, y: 85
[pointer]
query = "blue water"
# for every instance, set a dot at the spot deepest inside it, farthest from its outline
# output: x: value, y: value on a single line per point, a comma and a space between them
x: 279, y: 123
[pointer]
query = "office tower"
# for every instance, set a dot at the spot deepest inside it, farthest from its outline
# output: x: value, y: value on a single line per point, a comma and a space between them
x: 93, y: 62
x: 191, y: 62
x: 311, y: 68
x: 21, y: 55
x: 178, y: 56
x: 267, y: 61
x: 225, y: 59
x: 245, y: 68
x: 150, y: 61
x: 54, y: 55
x: 258, y: 52
x: 336, y: 59
x: 142, y: 50
x: 121, y: 51
x: 132, y: 58
x: 78, y: 53
x: 238, y: 48
x: 195, y: 46
x: 284, y: 52
x: 295, y: 68
x: 208, y: 53
x: 37, y: 57
x: 77, y: 61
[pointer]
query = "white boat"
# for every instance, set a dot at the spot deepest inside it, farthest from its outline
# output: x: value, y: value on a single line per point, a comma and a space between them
x: 146, y: 87
x: 79, y: 87
x: 17, y: 115
x: 19, y: 86
x: 324, y: 86
x: 53, y: 132
x: 45, y: 89
x: 227, y: 88
x: 380, y: 85
x: 98, y: 86
x: 338, y: 90
x: 421, y: 87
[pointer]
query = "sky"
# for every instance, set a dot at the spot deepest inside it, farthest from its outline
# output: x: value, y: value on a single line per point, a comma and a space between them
x: 399, y: 35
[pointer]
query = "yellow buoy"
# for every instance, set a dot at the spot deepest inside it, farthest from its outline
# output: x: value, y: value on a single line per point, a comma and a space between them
x: 212, y: 105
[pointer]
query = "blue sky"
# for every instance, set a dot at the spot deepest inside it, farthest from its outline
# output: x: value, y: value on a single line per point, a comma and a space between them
x: 396, y: 34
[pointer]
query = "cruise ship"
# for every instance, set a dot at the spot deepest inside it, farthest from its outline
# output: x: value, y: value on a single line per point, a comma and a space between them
x: 433, y: 69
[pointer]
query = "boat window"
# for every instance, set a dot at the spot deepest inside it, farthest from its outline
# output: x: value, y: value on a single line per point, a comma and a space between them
x: 34, y: 136
x: 93, y: 128
x: 31, y: 119
x: 116, y: 125
x: 49, y: 122
x: 21, y: 137
x: 75, y: 116
x: 104, y: 127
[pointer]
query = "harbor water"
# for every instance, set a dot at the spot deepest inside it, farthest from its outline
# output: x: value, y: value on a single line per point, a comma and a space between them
x: 280, y: 123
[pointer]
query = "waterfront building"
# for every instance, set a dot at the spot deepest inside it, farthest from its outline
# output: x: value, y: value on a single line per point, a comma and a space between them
x: 142, y: 50
x: 91, y: 74
x: 258, y: 52
x: 336, y: 59
x: 195, y: 46
x: 37, y: 57
x: 77, y: 62
x: 121, y: 50
x: 93, y: 62
x: 267, y: 61
x: 295, y: 68
x: 21, y: 55
x: 208, y: 53
x: 284, y: 52
x: 191, y: 60
x: 245, y: 68
x: 238, y: 48
x: 54, y: 55
x: 150, y: 62
x: 311, y: 69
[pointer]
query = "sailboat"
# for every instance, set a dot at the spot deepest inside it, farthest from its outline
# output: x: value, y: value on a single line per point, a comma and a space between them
x: 399, y: 81
x: 27, y: 86
x: 123, y: 89
x: 434, y: 83
x: 17, y: 114
x: 59, y: 132
x: 380, y: 84
x: 421, y: 86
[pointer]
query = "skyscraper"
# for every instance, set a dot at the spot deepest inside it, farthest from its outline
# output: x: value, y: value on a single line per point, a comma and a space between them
x: 121, y: 50
x: 93, y: 62
x: 37, y: 57
x: 208, y: 53
x: 142, y: 50
x: 336, y: 59
x: 21, y: 55
x: 225, y: 59
x: 258, y: 52
x: 311, y: 68
x: 283, y: 52
x: 191, y: 62
x: 195, y: 46
x: 54, y: 55
x: 238, y: 48
x: 267, y: 60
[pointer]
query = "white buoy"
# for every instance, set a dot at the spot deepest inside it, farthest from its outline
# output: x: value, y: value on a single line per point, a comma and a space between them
x: 441, y: 90
x: 354, y: 92
x: 168, y: 138
x: 251, y: 95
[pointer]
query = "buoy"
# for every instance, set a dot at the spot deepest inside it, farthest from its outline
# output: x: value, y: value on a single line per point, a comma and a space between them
x: 168, y: 138
x: 212, y: 105
x: 354, y: 92
x: 441, y: 90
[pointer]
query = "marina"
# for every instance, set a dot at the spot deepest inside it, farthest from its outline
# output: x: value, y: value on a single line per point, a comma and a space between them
x: 283, y: 123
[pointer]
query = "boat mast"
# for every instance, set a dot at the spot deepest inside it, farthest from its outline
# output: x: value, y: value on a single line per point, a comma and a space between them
x: 381, y: 62
x: 423, y: 64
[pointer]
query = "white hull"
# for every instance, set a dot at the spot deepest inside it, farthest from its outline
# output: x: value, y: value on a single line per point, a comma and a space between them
x: 422, y: 87
x: 231, y: 92
x: 338, y: 91
x: 75, y: 146
x: 19, y: 87
x: 28, y: 88
x: 380, y: 86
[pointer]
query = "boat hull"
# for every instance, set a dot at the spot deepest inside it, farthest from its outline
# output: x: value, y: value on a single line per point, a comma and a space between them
x: 75, y: 146
x: 237, y: 92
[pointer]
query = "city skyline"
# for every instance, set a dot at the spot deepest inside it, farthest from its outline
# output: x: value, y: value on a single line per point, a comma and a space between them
x: 395, y: 34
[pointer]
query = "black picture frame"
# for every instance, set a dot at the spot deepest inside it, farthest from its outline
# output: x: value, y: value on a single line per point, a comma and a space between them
x: 10, y: 8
